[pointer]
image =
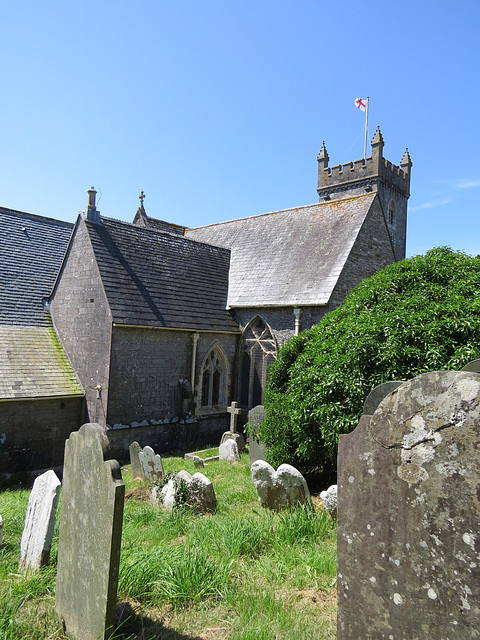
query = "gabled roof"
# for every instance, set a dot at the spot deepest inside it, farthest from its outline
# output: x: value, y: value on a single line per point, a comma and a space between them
x: 289, y: 257
x: 160, y: 279
x: 31, y: 252
x: 33, y: 365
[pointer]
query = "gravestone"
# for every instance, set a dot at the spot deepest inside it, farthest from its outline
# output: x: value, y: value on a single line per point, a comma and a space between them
x: 256, y: 446
x: 377, y: 394
x: 474, y: 366
x: 330, y: 500
x: 233, y: 434
x: 37, y: 534
x: 409, y: 513
x: 90, y: 536
x: 136, y: 467
x: 228, y: 450
x: 279, y: 489
x: 151, y: 465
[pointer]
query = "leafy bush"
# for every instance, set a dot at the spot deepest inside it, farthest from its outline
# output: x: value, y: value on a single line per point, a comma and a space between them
x: 418, y: 315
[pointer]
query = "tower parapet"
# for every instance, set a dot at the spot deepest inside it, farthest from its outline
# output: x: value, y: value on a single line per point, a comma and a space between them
x: 372, y: 174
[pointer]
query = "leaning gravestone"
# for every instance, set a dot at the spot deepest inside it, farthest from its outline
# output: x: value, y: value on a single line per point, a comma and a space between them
x: 151, y: 465
x: 409, y: 514
x: 256, y: 446
x: 279, y: 489
x: 90, y: 536
x: 37, y: 535
x: 135, y: 466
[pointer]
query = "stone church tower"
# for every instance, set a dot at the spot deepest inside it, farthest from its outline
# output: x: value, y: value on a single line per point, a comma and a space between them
x: 373, y: 174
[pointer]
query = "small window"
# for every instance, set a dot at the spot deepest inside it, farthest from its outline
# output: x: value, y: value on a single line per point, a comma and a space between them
x: 392, y: 212
x: 214, y: 379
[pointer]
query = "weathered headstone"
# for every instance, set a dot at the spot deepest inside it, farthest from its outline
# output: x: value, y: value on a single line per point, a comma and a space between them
x: 474, y: 366
x: 279, y: 489
x: 233, y: 434
x: 255, y: 445
x: 151, y: 464
x: 329, y: 499
x: 90, y: 536
x: 377, y: 394
x: 409, y: 514
x: 135, y: 466
x: 195, y: 491
x: 228, y: 450
x: 37, y: 534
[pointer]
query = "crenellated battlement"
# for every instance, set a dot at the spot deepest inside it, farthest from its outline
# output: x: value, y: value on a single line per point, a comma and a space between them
x: 365, y: 173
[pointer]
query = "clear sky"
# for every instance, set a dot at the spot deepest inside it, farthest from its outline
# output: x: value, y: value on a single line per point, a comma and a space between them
x: 218, y: 109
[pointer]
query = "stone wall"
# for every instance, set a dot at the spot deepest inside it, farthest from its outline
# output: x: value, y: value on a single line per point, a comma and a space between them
x: 371, y: 252
x: 147, y: 365
x: 83, y: 322
x: 167, y: 438
x: 33, y: 432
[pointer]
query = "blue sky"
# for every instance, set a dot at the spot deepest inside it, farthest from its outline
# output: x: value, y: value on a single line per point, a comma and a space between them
x: 217, y: 110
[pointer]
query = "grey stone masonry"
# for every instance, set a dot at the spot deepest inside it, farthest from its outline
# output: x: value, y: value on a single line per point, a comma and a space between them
x: 409, y: 513
x: 37, y: 535
x: 90, y: 536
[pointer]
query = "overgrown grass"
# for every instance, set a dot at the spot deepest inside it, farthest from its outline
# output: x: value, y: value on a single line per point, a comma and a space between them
x: 242, y: 573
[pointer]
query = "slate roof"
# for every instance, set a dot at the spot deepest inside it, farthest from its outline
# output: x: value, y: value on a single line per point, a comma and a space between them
x: 289, y: 257
x: 33, y: 365
x: 160, y: 279
x: 31, y: 252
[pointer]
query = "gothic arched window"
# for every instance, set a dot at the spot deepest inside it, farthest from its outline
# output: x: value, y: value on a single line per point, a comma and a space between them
x: 258, y: 349
x: 213, y: 379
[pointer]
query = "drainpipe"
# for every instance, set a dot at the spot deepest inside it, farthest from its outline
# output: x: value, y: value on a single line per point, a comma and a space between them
x: 298, y: 314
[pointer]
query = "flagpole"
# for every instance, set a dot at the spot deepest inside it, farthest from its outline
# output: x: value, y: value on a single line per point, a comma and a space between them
x: 366, y: 129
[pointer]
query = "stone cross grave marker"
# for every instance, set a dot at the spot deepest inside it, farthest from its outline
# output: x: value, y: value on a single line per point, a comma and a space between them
x: 90, y: 536
x: 37, y: 534
x: 409, y: 514
x: 151, y: 464
x: 234, y: 412
x: 135, y: 466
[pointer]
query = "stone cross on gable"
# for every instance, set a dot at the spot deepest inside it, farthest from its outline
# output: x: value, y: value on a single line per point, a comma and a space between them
x: 234, y: 412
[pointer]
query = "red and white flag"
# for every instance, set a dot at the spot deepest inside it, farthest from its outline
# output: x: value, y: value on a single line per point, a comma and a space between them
x: 361, y: 103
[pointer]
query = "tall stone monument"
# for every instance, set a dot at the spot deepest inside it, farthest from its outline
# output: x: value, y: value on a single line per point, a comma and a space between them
x: 90, y: 536
x: 409, y: 514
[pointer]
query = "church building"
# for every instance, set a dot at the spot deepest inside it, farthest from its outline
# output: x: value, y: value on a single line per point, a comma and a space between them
x: 164, y: 326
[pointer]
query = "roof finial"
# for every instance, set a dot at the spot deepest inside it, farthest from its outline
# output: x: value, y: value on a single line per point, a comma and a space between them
x: 323, y: 157
x: 142, y: 198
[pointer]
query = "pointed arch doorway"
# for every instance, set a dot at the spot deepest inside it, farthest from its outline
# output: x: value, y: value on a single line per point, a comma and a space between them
x: 258, y: 349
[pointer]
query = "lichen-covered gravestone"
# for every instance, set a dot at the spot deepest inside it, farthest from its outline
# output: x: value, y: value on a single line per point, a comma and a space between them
x: 228, y: 450
x: 409, y: 514
x: 37, y: 535
x: 151, y: 464
x: 280, y: 489
x: 90, y: 536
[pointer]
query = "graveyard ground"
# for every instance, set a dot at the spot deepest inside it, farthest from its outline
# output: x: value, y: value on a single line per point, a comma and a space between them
x: 242, y: 573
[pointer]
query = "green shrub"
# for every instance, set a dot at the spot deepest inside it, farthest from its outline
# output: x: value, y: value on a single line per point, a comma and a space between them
x: 418, y: 315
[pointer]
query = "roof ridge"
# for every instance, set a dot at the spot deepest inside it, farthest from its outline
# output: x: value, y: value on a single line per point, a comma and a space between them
x: 36, y: 216
x: 271, y: 213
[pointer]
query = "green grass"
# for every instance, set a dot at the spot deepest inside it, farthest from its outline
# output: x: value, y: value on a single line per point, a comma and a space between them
x: 242, y: 573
